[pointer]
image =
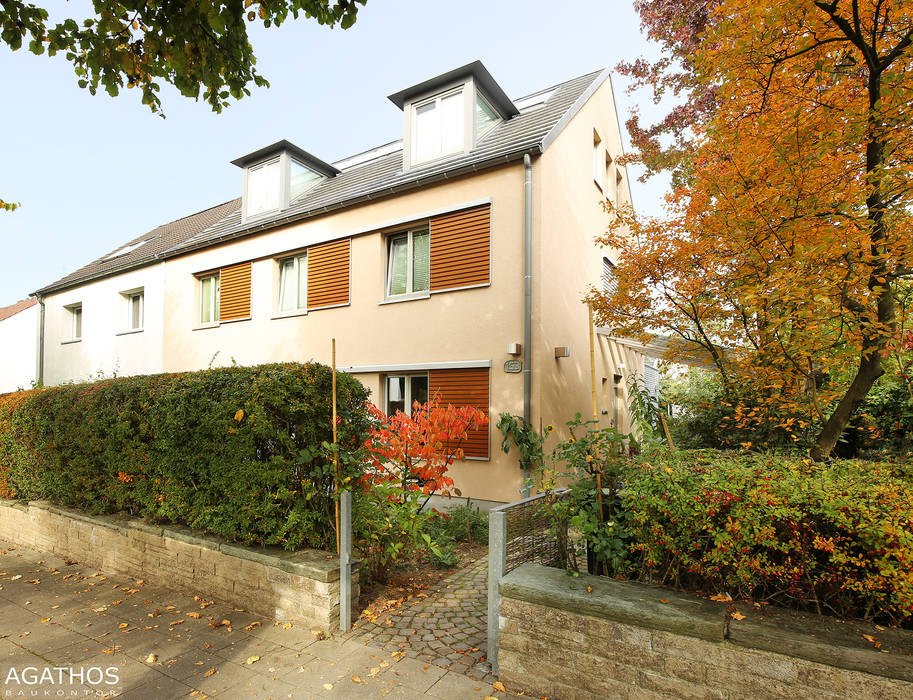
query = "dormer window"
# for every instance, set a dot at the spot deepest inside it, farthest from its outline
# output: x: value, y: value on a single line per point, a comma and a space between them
x: 301, y: 179
x: 449, y: 113
x: 486, y: 117
x: 275, y: 176
x: 263, y: 185
x: 437, y: 127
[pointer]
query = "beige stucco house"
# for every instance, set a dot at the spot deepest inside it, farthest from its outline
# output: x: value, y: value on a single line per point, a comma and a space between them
x: 451, y: 261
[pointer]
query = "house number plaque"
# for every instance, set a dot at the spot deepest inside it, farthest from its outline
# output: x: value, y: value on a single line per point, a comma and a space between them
x: 513, y: 366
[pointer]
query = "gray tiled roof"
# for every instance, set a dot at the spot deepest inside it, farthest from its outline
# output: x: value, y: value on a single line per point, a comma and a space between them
x: 155, y: 242
x: 528, y: 132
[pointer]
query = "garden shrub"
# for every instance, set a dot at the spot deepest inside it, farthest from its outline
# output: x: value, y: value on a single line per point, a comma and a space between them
x: 10, y: 443
x: 242, y: 452
x: 834, y: 538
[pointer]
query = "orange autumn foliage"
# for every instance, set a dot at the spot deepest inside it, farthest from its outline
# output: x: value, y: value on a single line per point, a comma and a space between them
x: 782, y: 253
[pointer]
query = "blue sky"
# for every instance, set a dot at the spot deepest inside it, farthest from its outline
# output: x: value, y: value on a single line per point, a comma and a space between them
x: 94, y: 172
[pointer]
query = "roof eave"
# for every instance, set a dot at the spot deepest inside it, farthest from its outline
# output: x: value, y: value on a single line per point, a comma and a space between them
x: 503, y: 159
x: 136, y: 264
x: 479, y: 73
x: 300, y: 154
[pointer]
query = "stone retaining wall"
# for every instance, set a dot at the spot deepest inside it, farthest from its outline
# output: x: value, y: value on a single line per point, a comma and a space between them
x: 586, y: 637
x: 302, y: 586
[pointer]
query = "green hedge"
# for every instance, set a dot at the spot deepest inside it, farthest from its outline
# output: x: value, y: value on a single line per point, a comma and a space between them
x: 239, y: 451
x: 834, y: 538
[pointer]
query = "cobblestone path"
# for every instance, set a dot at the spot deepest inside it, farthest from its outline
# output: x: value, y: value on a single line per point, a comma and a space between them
x: 448, y: 628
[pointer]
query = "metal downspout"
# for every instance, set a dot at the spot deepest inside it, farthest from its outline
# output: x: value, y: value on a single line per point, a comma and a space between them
x: 40, y: 376
x: 527, y: 299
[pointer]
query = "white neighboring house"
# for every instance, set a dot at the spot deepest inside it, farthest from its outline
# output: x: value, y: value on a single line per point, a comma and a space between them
x: 19, y: 340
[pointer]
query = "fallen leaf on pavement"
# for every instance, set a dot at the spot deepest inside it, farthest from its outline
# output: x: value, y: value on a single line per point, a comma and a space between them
x: 328, y: 686
x: 499, y: 686
x: 663, y: 600
x: 721, y: 597
x: 195, y: 615
x: 151, y: 659
x: 252, y: 626
x: 356, y: 679
x: 287, y: 626
x: 252, y: 660
x: 738, y: 616
x: 209, y: 673
x: 45, y: 619
x: 176, y: 622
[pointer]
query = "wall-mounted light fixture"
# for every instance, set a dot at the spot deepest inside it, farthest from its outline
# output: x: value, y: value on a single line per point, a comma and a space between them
x: 514, y: 349
x: 562, y: 351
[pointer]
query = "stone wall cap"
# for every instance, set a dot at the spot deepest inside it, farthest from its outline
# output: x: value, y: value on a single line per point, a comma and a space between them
x: 826, y: 640
x: 113, y: 522
x: 623, y: 601
x: 13, y: 503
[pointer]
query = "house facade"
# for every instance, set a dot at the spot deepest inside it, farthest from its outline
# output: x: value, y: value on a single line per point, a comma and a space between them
x: 19, y: 340
x: 449, y: 263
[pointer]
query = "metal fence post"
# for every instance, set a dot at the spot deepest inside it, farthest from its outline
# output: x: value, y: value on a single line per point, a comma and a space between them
x: 345, y: 561
x: 497, y: 564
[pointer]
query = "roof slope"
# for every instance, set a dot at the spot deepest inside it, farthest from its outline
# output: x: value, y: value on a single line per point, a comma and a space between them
x: 14, y: 309
x: 385, y: 175
x: 529, y: 132
x: 153, y: 244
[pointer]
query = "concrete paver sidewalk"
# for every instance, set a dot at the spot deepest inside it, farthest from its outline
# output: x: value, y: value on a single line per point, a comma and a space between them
x: 70, y: 631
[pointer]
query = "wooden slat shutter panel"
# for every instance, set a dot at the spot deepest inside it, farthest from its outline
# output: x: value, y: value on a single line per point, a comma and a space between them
x: 328, y: 274
x: 461, y: 248
x: 234, y: 292
x: 464, y: 387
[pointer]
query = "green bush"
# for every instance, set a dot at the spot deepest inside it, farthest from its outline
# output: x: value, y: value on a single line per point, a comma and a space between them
x: 241, y: 452
x: 835, y: 538
x: 460, y: 524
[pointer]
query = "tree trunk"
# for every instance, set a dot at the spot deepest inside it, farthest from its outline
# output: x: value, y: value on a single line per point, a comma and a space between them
x: 869, y: 371
x: 876, y: 338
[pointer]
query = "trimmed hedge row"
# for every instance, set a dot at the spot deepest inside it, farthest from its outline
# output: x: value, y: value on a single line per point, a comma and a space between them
x: 240, y: 452
x: 835, y: 538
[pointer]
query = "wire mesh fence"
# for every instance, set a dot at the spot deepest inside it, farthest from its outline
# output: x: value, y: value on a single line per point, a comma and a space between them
x: 529, y: 536
x: 518, y: 533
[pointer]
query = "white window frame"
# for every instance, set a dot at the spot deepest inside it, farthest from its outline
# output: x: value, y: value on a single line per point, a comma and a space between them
x: 213, y: 299
x: 437, y: 99
x: 407, y: 398
x: 280, y: 184
x: 410, y: 293
x: 128, y: 297
x: 299, y: 260
x: 74, y: 313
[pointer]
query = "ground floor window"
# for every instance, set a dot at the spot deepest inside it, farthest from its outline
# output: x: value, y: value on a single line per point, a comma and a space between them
x: 403, y: 390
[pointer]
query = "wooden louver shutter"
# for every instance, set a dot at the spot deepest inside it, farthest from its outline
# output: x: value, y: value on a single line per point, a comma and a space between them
x: 234, y: 292
x: 464, y: 387
x: 461, y: 248
x: 328, y: 274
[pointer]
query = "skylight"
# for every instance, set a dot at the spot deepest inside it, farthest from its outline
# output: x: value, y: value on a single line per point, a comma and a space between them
x: 129, y: 248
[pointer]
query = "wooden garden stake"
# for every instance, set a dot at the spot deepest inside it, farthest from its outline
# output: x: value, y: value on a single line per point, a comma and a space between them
x: 335, y: 445
x: 592, y: 334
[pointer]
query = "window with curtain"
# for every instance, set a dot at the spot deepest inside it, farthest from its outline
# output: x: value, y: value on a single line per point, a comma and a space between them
x: 293, y: 283
x: 403, y: 390
x: 408, y: 264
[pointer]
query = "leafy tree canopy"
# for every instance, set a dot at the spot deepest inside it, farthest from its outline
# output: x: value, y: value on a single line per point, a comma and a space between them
x: 192, y: 44
x: 195, y: 45
x: 788, y: 238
